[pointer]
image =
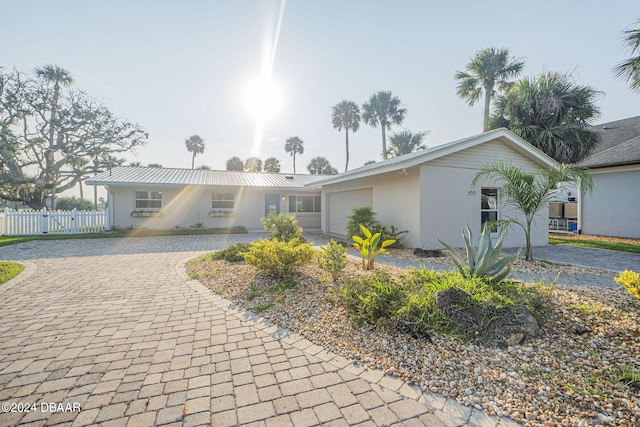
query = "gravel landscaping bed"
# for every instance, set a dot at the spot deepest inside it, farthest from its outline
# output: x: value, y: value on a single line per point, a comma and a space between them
x: 578, y: 373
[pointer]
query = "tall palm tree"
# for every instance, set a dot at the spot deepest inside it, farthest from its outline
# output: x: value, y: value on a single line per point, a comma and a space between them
x: 346, y: 115
x: 194, y: 145
x: 383, y: 109
x: 629, y: 70
x: 253, y: 164
x: 406, y: 142
x: 489, y: 69
x: 272, y: 165
x: 293, y: 146
x: 321, y: 166
x: 552, y: 113
x: 59, y: 77
x: 235, y: 164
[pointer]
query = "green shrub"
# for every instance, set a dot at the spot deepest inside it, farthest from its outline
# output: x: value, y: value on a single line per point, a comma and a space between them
x: 363, y: 215
x: 631, y: 282
x: 233, y: 253
x: 366, y: 216
x: 333, y: 258
x: 372, y: 298
x: 279, y: 259
x: 370, y: 246
x: 409, y: 303
x: 484, y: 261
x: 391, y: 232
x: 71, y: 203
x: 283, y: 227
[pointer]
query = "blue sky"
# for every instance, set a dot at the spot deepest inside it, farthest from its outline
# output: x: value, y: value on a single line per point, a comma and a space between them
x: 179, y: 68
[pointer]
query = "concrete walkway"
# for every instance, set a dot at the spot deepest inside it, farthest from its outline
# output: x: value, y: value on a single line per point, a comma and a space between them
x: 111, y: 332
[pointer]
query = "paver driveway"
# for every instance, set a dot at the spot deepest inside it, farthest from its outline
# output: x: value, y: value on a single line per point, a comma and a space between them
x: 114, y: 326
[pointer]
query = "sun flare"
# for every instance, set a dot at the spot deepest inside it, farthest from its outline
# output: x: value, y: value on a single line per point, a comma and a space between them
x: 263, y: 98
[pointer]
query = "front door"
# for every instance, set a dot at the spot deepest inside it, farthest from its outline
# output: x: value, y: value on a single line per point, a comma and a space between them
x: 271, y: 204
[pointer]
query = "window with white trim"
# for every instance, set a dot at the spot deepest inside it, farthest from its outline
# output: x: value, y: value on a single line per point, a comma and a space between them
x: 223, y: 201
x: 304, y: 204
x: 489, y: 207
x: 148, y: 200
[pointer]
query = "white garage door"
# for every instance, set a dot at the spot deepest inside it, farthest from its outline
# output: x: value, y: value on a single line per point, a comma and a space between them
x: 341, y: 206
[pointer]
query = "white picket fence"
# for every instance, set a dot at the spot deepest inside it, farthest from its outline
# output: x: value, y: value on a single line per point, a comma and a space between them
x: 31, y: 223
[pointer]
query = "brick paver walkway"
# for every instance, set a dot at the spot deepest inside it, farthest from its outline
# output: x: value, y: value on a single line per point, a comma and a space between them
x: 114, y: 327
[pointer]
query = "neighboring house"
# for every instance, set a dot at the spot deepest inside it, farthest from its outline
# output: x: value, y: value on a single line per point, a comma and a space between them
x: 163, y: 198
x: 613, y: 209
x: 428, y: 192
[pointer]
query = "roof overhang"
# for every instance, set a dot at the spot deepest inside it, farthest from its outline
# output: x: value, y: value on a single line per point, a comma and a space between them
x: 424, y: 156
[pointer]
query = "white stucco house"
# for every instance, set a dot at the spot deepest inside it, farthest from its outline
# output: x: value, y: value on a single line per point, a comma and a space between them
x: 613, y: 208
x: 163, y: 198
x: 427, y: 193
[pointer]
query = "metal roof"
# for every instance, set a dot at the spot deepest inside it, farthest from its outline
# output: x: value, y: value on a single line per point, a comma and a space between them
x: 133, y: 175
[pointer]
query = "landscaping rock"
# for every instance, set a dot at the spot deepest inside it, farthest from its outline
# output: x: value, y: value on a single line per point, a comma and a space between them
x: 486, y: 324
x: 428, y: 253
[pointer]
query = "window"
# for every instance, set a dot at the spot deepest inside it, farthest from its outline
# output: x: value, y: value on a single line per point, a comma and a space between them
x: 489, y: 207
x: 223, y: 201
x: 148, y: 200
x: 304, y: 204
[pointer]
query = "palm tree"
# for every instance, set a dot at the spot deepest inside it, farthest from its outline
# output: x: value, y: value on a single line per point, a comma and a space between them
x: 194, y: 145
x: 383, y: 109
x: 346, y: 115
x: 552, y: 113
x: 235, y: 164
x: 488, y: 70
x: 59, y: 77
x: 528, y: 192
x: 253, y: 164
x: 321, y: 166
x: 272, y: 165
x: 293, y: 146
x: 406, y: 142
x: 629, y: 70
x: 136, y: 164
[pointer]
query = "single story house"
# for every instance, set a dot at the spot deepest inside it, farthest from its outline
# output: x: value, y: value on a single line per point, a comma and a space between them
x: 613, y: 208
x: 427, y: 193
x: 163, y: 198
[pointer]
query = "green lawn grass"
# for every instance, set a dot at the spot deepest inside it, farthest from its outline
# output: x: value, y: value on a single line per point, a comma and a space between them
x: 12, y: 240
x: 614, y: 246
x: 9, y: 270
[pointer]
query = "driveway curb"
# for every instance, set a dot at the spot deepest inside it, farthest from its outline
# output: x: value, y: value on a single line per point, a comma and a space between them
x: 29, y: 269
x: 447, y: 410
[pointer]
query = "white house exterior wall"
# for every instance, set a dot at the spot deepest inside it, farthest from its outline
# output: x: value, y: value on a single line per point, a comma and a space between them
x: 187, y: 205
x: 486, y: 154
x: 448, y: 203
x: 613, y: 209
x: 395, y: 199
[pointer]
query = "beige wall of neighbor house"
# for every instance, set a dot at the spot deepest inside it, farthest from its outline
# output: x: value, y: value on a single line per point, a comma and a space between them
x: 613, y: 208
x: 185, y: 206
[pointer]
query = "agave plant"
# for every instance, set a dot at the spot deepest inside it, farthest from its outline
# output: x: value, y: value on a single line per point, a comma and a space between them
x: 368, y: 246
x: 485, y: 260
